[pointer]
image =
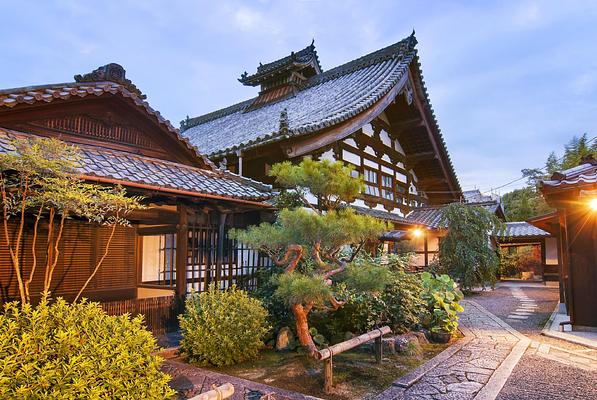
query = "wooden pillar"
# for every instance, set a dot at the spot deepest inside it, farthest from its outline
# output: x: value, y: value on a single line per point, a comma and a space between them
x: 328, y: 373
x: 565, y: 251
x: 182, y: 239
x: 239, y: 154
x: 220, y: 249
x: 426, y: 248
x: 378, y: 349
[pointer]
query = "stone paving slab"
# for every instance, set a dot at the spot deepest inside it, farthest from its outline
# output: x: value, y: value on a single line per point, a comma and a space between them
x: 476, y: 370
x: 190, y: 381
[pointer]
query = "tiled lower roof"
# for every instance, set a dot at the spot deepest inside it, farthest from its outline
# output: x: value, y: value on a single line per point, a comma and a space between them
x: 385, y: 215
x: 123, y: 166
x: 522, y: 230
x: 431, y: 216
x: 584, y: 174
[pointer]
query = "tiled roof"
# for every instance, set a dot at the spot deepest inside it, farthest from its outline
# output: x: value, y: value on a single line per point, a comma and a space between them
x: 522, y: 230
x: 304, y: 56
x: 385, y: 215
x: 17, y: 97
x: 431, y: 216
x: 324, y: 100
x: 119, y: 165
x: 581, y: 175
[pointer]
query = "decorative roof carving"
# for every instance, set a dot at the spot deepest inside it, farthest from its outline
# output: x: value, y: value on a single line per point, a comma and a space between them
x: 296, y: 61
x: 110, y: 73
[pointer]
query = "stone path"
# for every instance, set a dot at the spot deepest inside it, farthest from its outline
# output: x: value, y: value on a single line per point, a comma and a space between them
x: 527, y: 305
x: 190, y: 381
x: 474, y: 368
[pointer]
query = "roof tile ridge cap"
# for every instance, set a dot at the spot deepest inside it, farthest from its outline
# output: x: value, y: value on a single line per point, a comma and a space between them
x: 375, y: 57
x: 433, y: 118
x: 216, y: 114
x: 244, y: 179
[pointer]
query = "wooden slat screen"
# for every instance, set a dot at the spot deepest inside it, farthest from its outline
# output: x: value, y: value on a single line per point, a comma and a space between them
x: 159, y: 312
x: 80, y: 247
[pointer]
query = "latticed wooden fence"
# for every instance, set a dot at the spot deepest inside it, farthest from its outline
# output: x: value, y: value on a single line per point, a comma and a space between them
x: 160, y: 312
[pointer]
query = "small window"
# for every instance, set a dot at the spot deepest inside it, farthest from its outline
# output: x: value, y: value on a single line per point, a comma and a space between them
x: 354, y: 173
x: 387, y: 190
x: 159, y: 260
x: 370, y: 175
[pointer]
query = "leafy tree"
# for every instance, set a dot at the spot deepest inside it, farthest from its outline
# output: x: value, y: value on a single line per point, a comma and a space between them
x: 522, y: 204
x: 39, y: 180
x: 465, y: 252
x: 308, y: 242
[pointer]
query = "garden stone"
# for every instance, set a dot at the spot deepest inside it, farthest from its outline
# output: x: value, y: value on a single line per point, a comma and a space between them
x: 284, y: 339
x: 389, y: 346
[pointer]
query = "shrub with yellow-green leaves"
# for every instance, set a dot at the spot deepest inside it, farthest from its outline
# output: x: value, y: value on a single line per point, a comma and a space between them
x: 222, y: 327
x: 76, y: 351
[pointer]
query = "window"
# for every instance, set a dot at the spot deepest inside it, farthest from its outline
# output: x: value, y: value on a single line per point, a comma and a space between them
x: 158, y: 265
x: 354, y: 173
x: 371, y: 185
x: 387, y: 187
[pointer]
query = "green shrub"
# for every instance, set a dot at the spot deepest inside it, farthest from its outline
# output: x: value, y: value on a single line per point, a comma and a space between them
x: 68, y: 351
x: 397, y: 303
x: 222, y: 327
x: 442, y: 296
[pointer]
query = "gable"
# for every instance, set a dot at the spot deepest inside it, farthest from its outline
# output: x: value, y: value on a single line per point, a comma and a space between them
x: 110, y: 114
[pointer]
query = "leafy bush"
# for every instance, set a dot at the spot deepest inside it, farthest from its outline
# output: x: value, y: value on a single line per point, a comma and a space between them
x: 222, y: 327
x: 68, y: 351
x: 442, y: 297
x: 397, y: 303
x: 465, y: 251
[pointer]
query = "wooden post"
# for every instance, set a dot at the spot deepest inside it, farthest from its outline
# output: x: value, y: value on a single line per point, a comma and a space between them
x: 220, y: 249
x: 378, y: 349
x: 328, y: 373
x: 182, y: 238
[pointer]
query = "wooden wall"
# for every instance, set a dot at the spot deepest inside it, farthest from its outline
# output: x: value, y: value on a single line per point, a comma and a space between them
x: 82, y: 245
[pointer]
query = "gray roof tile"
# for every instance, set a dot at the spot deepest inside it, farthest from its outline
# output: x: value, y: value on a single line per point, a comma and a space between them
x: 107, y: 163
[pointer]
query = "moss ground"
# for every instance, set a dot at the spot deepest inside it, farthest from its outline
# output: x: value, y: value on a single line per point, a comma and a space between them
x: 356, y: 375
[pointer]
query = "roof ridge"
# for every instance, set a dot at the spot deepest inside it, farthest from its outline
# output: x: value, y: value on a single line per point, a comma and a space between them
x: 222, y: 112
x: 343, y: 69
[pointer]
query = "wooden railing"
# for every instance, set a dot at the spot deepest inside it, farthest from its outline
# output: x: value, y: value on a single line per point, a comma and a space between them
x: 159, y: 312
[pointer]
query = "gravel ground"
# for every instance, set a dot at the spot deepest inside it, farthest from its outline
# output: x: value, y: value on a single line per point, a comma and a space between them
x: 536, y: 377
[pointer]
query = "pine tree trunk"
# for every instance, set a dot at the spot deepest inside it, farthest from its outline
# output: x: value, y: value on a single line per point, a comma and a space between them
x: 302, y: 329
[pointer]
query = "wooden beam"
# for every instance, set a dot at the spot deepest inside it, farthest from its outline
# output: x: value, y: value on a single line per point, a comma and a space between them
x: 413, y: 159
x: 307, y: 145
x: 408, y: 124
x: 182, y: 238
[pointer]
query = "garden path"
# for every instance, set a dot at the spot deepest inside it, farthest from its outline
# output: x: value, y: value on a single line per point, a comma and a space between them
x: 476, y: 367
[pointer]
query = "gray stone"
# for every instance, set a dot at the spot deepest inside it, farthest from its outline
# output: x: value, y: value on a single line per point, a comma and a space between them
x: 465, y: 387
x: 284, y: 339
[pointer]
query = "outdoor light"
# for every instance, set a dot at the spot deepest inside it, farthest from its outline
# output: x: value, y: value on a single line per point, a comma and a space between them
x: 417, y: 232
x: 593, y: 204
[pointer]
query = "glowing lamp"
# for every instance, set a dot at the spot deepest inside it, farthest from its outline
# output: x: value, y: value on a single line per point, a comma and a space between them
x: 417, y: 232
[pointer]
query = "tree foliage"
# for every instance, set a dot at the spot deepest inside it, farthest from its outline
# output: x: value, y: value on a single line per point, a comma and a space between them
x: 308, y: 242
x: 39, y: 180
x: 77, y: 351
x: 525, y: 203
x: 465, y: 252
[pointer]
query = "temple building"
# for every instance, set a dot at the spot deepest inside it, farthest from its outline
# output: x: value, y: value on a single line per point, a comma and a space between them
x: 178, y: 243
x: 573, y: 193
x: 373, y: 113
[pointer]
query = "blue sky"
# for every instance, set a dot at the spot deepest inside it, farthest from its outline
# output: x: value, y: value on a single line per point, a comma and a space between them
x: 509, y: 80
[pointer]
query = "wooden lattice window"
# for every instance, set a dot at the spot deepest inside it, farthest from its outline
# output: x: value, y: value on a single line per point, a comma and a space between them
x: 158, y: 264
x: 371, y: 182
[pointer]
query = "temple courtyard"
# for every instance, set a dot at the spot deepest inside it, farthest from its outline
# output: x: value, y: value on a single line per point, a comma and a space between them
x: 502, y: 354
